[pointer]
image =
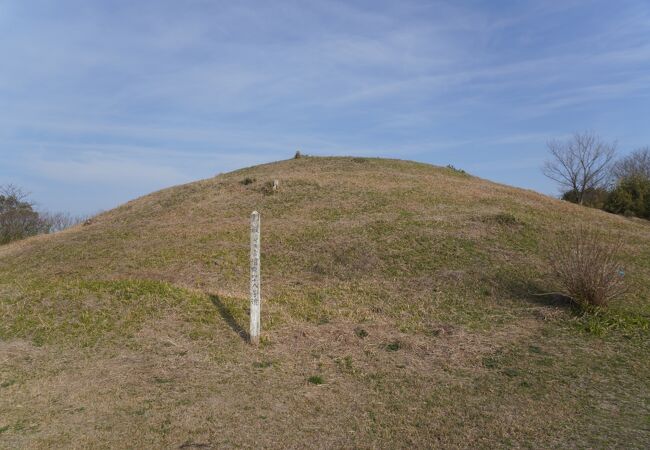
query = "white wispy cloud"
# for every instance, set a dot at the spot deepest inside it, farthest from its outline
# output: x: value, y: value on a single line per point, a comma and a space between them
x: 89, y: 168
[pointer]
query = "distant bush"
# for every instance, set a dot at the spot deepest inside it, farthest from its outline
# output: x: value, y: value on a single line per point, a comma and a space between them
x: 18, y: 219
x: 248, y: 180
x: 592, y: 197
x: 585, y: 267
x: 631, y: 197
x: 456, y: 170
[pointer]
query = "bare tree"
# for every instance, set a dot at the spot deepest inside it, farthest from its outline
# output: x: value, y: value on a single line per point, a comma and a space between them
x: 581, y: 163
x: 55, y: 222
x: 636, y: 164
x: 11, y: 191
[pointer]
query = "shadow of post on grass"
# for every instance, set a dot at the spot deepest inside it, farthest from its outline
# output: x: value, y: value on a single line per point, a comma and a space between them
x: 227, y: 315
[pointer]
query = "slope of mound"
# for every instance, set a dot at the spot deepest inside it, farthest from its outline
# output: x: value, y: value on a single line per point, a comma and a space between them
x: 410, y: 291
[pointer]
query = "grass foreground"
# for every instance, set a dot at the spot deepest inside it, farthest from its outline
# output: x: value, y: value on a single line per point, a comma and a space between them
x: 402, y: 307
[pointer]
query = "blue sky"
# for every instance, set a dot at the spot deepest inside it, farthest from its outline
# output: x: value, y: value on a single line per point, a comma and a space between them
x: 103, y: 101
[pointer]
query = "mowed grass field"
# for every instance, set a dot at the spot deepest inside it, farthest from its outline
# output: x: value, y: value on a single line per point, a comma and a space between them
x: 402, y: 307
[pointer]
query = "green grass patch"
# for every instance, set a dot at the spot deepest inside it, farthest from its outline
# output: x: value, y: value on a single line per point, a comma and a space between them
x: 316, y: 379
x: 602, y: 322
x: 393, y: 346
x: 86, y: 312
x: 262, y: 364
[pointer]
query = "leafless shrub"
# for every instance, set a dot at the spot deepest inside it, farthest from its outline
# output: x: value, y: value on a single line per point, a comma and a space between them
x: 586, y: 267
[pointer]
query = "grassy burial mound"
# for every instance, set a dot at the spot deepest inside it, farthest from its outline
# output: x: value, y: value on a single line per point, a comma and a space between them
x: 402, y: 307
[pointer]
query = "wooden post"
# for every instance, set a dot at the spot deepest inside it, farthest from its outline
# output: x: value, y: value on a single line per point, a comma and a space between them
x: 255, y: 279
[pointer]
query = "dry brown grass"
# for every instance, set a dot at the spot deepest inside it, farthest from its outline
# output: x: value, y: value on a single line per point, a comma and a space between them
x: 126, y: 332
x: 459, y: 389
x: 173, y: 391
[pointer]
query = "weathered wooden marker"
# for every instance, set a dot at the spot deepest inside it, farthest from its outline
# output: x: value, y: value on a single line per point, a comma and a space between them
x: 255, y: 279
